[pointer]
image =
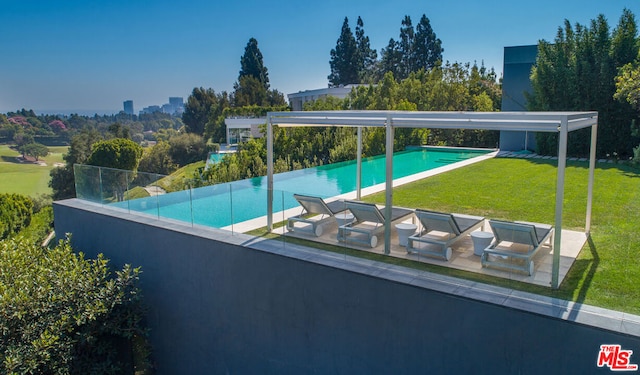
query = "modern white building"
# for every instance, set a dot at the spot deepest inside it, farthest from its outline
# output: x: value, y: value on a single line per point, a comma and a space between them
x: 242, y: 129
x: 297, y: 100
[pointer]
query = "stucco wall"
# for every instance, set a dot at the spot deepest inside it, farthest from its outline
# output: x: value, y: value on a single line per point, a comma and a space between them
x: 222, y: 303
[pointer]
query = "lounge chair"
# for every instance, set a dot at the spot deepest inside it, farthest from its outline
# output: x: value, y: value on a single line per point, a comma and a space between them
x: 311, y: 208
x: 440, y: 231
x: 368, y: 220
x: 515, y: 241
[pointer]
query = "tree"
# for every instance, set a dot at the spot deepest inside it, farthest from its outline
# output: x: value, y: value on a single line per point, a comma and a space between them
x: 391, y: 60
x: 427, y: 48
x: 405, y: 45
x: 416, y: 49
x: 251, y: 64
x: 120, y: 154
x: 577, y: 73
x: 158, y: 160
x: 117, y: 153
x: 344, y: 59
x: 62, y: 313
x: 119, y: 131
x: 252, y: 87
x: 366, y: 56
x: 187, y: 148
x: 249, y: 91
x: 628, y: 84
x: 197, y: 109
x: 36, y: 150
x: 62, y: 179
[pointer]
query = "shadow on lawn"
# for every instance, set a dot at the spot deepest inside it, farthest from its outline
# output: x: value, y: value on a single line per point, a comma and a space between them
x: 627, y: 169
x: 10, y: 159
x: 587, y: 269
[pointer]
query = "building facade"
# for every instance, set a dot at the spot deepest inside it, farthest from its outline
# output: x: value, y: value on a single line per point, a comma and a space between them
x: 128, y: 107
x: 297, y: 100
x: 518, y: 62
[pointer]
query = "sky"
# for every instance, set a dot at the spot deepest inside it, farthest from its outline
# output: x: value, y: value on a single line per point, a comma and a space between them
x: 79, y: 55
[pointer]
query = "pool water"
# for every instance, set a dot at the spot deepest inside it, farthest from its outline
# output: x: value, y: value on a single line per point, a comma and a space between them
x: 230, y: 203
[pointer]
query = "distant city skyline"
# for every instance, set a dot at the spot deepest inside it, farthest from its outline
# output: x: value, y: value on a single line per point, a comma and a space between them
x: 83, y: 57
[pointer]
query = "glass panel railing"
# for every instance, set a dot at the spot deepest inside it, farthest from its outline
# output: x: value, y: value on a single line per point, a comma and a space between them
x: 210, y: 205
x: 87, y: 183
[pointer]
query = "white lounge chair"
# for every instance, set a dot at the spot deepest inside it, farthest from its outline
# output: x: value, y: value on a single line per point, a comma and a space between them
x: 368, y: 220
x: 440, y: 231
x: 515, y: 241
x: 312, y: 207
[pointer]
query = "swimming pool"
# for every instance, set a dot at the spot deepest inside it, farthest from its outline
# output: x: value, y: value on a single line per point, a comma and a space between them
x: 231, y: 203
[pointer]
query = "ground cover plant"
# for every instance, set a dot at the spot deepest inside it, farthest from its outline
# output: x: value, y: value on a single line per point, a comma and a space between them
x: 605, y: 273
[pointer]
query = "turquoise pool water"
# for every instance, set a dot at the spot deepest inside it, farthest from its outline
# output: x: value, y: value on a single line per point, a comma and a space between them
x: 230, y: 203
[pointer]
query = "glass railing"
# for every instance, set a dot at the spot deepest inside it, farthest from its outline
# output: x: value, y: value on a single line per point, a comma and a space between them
x: 241, y: 207
x: 238, y: 206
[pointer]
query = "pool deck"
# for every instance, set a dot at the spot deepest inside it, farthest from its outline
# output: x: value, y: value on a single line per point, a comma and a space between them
x: 463, y: 257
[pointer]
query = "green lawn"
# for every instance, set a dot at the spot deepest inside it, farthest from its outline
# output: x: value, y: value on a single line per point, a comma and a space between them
x: 605, y: 274
x: 26, y: 178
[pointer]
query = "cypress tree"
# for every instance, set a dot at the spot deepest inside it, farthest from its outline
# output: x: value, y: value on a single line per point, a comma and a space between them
x: 344, y: 58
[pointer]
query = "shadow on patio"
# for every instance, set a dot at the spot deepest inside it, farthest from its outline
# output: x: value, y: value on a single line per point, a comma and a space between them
x: 463, y: 257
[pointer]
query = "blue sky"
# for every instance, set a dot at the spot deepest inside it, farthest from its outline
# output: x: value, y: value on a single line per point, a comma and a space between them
x: 93, y: 55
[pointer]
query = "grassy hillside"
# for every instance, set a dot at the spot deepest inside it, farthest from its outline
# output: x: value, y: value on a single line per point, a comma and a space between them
x: 176, y: 181
x: 27, y: 178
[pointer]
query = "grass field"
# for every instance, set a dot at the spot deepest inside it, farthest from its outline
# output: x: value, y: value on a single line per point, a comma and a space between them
x: 27, y: 178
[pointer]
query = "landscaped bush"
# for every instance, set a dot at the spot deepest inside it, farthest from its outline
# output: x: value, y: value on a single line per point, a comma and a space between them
x: 61, y: 313
x: 15, y: 213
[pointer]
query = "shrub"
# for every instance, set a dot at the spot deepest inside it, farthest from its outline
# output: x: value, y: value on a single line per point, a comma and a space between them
x: 15, y: 213
x: 61, y: 313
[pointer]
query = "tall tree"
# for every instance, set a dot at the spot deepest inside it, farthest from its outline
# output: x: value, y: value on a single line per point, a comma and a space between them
x: 251, y: 64
x: 197, y: 110
x: 366, y: 56
x: 252, y: 88
x: 577, y: 73
x: 405, y: 44
x: 344, y: 58
x: 416, y: 49
x: 391, y: 60
x: 427, y: 48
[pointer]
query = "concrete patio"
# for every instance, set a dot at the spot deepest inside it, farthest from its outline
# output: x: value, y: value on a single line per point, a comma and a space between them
x: 463, y: 257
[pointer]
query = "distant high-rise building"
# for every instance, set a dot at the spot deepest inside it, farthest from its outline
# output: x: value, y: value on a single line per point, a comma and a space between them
x: 177, y: 105
x: 151, y: 109
x: 176, y: 101
x: 128, y: 107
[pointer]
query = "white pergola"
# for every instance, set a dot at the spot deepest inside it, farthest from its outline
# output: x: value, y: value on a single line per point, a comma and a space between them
x: 551, y: 122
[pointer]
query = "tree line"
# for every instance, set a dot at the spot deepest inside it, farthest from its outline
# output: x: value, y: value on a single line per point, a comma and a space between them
x: 578, y: 72
x: 453, y: 87
x: 353, y: 60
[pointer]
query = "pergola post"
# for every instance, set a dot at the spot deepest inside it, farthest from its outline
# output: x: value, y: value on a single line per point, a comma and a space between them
x: 359, y: 165
x: 592, y: 168
x: 388, y: 186
x: 557, y: 236
x: 269, y: 174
